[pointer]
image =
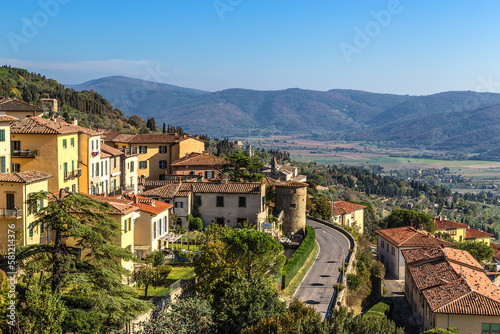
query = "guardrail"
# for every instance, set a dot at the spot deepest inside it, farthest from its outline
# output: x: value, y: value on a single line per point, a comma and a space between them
x: 336, y: 299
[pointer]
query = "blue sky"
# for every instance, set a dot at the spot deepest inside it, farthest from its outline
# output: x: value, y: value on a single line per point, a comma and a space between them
x: 403, y: 47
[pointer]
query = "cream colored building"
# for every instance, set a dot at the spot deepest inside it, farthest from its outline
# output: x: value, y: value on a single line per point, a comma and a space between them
x: 391, y: 242
x: 5, y: 153
x: 348, y: 214
x: 157, y: 151
x: 15, y: 189
x: 446, y: 287
x: 216, y: 203
x: 19, y: 109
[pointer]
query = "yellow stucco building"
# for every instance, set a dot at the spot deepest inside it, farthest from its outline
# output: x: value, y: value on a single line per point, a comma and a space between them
x: 47, y: 145
x: 460, y: 231
x: 157, y: 151
x: 15, y: 189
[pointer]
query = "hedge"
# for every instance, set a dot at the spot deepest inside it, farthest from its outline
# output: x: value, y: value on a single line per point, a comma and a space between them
x: 299, y: 257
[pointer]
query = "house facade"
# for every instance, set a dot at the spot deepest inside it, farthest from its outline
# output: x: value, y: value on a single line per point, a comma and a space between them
x: 46, y: 145
x: 348, y: 214
x: 156, y: 151
x: 392, y: 242
x: 15, y: 189
x: 446, y: 287
x: 456, y: 230
x: 205, y: 166
x: 19, y: 109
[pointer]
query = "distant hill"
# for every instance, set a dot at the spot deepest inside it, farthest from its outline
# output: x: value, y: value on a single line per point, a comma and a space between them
x: 450, y: 120
x: 89, y: 107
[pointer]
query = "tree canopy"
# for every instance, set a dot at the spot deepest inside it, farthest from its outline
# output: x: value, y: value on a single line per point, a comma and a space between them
x: 242, y: 167
x: 481, y: 251
x: 403, y: 217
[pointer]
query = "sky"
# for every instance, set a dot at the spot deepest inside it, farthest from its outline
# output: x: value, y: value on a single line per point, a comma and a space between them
x: 402, y: 47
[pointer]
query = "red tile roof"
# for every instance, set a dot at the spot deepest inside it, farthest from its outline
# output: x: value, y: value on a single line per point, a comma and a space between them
x: 146, y: 138
x: 8, y: 118
x: 444, y: 223
x: 496, y: 249
x: 291, y: 184
x: 342, y: 207
x: 199, y: 159
x: 40, y: 125
x: 407, y: 236
x: 29, y: 176
x: 111, y: 150
x: 148, y: 204
x: 452, y: 281
x: 16, y: 105
x: 471, y: 234
x: 120, y: 206
x: 184, y: 189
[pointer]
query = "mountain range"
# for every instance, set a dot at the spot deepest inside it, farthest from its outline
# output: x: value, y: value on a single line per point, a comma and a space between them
x: 463, y: 120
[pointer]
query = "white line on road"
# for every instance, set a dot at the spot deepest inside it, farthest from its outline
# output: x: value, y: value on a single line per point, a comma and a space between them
x: 317, y: 255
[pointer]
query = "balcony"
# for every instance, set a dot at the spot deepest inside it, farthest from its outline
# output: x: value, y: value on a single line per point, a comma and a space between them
x: 11, y: 213
x: 25, y: 153
x: 73, y: 174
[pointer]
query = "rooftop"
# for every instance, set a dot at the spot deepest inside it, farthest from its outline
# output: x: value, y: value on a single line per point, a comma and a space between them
x: 452, y: 281
x: 16, y: 105
x: 291, y: 184
x: 471, y: 234
x: 40, y: 125
x: 29, y: 176
x: 342, y: 207
x: 110, y: 150
x: 120, y: 206
x: 183, y: 189
x: 408, y: 236
x: 199, y: 159
x: 444, y: 223
x: 146, y: 138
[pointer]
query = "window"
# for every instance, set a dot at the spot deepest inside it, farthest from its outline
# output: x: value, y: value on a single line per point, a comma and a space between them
x: 293, y: 205
x: 165, y: 224
x: 163, y: 149
x: 65, y: 144
x: 209, y: 174
x: 114, y: 162
x: 192, y: 172
x: 163, y: 177
x: 382, y: 258
x: 143, y: 164
x: 97, y: 169
x: 92, y: 190
x: 93, y: 171
x: 242, y: 202
x: 392, y: 250
x: 106, y: 167
x: 92, y: 144
x: 220, y: 201
x: 179, y: 205
x: 163, y: 164
x: 65, y: 169
x: 387, y: 248
x: 491, y: 329
x: 132, y: 166
x: 130, y: 224
x: 31, y: 230
x: 16, y: 168
x: 42, y: 227
x: 2, y: 135
x: 2, y: 164
x: 73, y: 188
x: 143, y: 149
x: 382, y: 243
x: 102, y: 168
x: 16, y: 145
x: 154, y: 230
x: 72, y: 142
x: 125, y: 226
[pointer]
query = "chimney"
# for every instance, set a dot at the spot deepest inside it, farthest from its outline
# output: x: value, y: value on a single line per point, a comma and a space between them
x: 31, y: 103
x: 421, y: 227
x: 75, y: 121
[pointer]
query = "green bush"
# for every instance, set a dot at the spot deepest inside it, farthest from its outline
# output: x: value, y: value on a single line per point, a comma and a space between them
x: 353, y: 281
x: 299, y: 257
x: 194, y: 223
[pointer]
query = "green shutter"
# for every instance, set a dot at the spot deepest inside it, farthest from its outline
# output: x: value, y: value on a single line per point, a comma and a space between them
x: 2, y: 164
x: 2, y: 135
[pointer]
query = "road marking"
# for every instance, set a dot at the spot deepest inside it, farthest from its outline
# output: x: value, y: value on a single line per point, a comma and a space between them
x: 303, y: 279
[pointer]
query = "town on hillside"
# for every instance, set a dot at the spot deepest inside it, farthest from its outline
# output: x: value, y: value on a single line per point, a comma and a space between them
x: 147, y: 219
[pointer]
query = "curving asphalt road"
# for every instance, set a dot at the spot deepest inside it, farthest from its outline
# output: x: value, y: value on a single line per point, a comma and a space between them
x: 317, y: 287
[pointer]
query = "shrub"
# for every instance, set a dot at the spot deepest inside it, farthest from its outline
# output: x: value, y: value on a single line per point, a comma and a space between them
x: 353, y: 281
x: 299, y: 257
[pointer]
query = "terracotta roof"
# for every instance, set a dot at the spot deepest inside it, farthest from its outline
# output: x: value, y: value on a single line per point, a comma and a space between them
x: 110, y: 150
x: 8, y: 118
x: 342, y: 207
x: 40, y: 125
x: 166, y: 191
x: 199, y: 159
x: 496, y: 249
x: 109, y: 135
x: 227, y: 188
x: 407, y: 236
x: 471, y: 233
x: 291, y: 184
x: 147, y: 138
x: 452, y: 282
x: 16, y: 105
x: 444, y: 223
x: 148, y: 204
x: 120, y: 206
x: 29, y: 176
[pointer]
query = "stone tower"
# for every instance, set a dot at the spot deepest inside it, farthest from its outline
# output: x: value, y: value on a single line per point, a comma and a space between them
x: 291, y: 198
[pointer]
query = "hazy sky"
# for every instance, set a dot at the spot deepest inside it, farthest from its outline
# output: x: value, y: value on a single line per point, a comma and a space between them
x: 404, y: 47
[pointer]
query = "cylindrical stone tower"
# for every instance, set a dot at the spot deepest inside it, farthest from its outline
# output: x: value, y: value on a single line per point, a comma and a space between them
x: 291, y: 198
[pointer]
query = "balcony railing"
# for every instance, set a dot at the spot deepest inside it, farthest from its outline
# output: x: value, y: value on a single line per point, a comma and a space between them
x: 25, y: 153
x: 11, y: 213
x: 129, y: 151
x: 73, y: 174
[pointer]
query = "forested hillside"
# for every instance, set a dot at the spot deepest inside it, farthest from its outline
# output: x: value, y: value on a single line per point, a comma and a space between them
x: 89, y: 107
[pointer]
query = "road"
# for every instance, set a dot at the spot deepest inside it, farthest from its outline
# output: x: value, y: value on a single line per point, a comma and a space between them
x: 317, y: 287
